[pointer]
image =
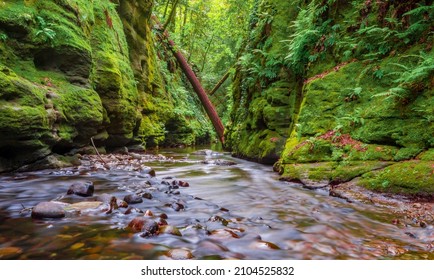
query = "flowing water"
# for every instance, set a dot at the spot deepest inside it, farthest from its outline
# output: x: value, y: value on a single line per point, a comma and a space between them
x: 229, y: 211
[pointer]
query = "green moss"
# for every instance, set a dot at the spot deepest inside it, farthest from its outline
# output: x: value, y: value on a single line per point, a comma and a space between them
x: 409, y: 178
x: 427, y: 155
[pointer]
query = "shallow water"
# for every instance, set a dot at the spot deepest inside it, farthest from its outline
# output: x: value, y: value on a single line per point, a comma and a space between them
x: 240, y: 211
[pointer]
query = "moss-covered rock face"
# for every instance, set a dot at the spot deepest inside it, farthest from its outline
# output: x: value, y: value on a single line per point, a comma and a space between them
x: 353, y: 83
x: 77, y: 69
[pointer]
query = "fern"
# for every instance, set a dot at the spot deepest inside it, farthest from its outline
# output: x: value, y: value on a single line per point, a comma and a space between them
x: 397, y: 93
x: 429, y: 10
x: 305, y: 36
x: 45, y: 30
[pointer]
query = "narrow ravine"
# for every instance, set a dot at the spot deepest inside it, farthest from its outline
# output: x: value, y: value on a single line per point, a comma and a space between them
x: 231, y: 208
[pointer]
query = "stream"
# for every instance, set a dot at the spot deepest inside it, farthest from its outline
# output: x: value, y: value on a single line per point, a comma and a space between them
x: 231, y: 209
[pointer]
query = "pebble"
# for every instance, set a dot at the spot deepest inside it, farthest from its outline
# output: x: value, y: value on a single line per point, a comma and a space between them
x: 259, y: 244
x: 149, y: 213
x: 84, y: 189
x: 179, y: 254
x: 48, y: 209
x: 223, y: 234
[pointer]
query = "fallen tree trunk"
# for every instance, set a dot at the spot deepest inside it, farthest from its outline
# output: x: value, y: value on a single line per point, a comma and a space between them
x: 203, y: 97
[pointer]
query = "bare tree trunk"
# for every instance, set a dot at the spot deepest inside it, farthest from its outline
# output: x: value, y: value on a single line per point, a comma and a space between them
x: 203, y: 97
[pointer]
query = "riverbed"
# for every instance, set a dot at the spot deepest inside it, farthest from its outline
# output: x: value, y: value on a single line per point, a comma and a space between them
x: 231, y: 209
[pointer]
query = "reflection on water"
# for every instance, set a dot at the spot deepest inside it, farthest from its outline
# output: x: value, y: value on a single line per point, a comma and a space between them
x: 231, y: 211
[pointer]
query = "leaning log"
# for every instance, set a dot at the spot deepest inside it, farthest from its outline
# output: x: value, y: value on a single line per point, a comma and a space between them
x: 203, y: 97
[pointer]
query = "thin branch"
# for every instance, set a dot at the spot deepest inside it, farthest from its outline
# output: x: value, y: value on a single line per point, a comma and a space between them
x: 96, y: 150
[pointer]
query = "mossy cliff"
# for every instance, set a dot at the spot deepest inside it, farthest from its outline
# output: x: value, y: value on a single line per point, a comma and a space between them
x: 72, y: 70
x: 339, y: 90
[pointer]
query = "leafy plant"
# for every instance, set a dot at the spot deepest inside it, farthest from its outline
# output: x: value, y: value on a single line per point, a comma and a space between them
x: 410, y: 79
x: 353, y: 94
x: 354, y: 119
x: 304, y: 37
x: 3, y: 37
x: 45, y: 30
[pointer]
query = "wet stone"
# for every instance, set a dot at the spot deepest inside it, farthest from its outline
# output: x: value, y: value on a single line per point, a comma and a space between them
x: 133, y: 199
x: 179, y: 183
x: 149, y: 171
x: 145, y: 225
x: 105, y: 198
x: 166, y: 229
x: 179, y: 254
x: 84, y: 189
x: 48, y: 210
x: 162, y: 222
x: 265, y: 245
x: 83, y: 206
x: 219, y: 220
x: 136, y: 148
x: 223, y: 234
x: 177, y: 206
x: 146, y: 195
x: 148, y: 213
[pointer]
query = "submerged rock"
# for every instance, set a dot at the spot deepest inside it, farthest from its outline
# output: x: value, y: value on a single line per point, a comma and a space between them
x: 170, y: 230
x: 84, y: 189
x: 48, y: 210
x: 179, y: 254
x: 219, y: 162
x: 84, y: 205
x: 145, y: 225
x: 133, y: 199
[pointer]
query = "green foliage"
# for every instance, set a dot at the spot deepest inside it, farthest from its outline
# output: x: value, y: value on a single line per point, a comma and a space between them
x: 354, y: 119
x: 260, y: 66
x: 304, y: 37
x: 45, y: 30
x: 3, y: 37
x: 352, y: 94
x: 411, y: 78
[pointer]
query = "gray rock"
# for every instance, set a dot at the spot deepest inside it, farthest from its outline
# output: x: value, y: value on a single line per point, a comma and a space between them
x: 136, y: 148
x: 48, y: 210
x: 82, y: 189
x: 133, y: 199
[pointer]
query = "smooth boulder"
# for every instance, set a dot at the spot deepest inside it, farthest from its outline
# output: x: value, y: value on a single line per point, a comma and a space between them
x: 48, y: 210
x: 84, y: 189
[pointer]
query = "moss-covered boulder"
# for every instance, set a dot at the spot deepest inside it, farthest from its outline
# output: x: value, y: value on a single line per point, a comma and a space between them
x: 78, y: 69
x: 347, y: 89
